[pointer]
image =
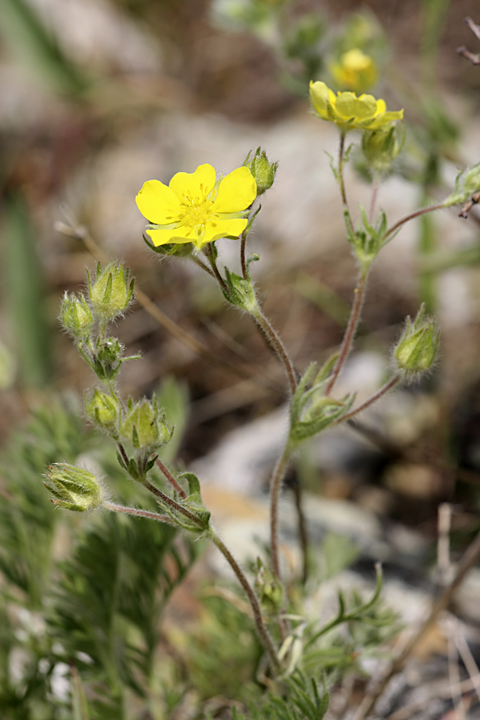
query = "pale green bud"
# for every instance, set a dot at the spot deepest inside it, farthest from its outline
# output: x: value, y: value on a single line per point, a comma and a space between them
x: 145, y: 427
x: 77, y: 317
x: 110, y: 292
x: 103, y: 410
x: 73, y: 488
x: 269, y: 589
x: 262, y: 170
x: 416, y: 351
x: 381, y: 146
x: 467, y: 183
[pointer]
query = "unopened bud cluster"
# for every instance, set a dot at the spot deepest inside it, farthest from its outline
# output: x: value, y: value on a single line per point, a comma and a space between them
x: 417, y: 349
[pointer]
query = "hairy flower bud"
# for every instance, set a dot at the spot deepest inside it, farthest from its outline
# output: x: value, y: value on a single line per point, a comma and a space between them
x: 145, y: 427
x: 262, y: 170
x: 467, y: 183
x: 110, y: 292
x: 103, y: 410
x: 73, y: 488
x: 381, y: 146
x: 77, y: 317
x: 416, y: 351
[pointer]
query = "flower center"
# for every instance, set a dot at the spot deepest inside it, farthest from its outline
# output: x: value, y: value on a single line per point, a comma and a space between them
x: 196, y: 211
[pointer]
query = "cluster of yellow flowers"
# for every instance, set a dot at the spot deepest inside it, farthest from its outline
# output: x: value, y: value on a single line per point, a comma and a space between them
x: 197, y: 208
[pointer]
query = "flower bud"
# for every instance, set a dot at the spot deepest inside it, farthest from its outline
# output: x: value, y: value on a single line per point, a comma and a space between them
x: 417, y: 348
x: 77, y: 317
x: 262, y: 170
x: 269, y: 589
x: 354, y: 71
x: 467, y: 183
x: 145, y: 427
x: 381, y: 146
x: 103, y: 410
x: 73, y: 488
x: 110, y: 292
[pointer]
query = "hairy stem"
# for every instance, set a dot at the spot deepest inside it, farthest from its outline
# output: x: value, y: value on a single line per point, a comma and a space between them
x: 302, y: 529
x: 470, y: 557
x: 166, y: 472
x: 254, y: 602
x: 388, y: 386
x: 213, y: 264
x: 341, y: 182
x: 138, y: 513
x: 243, y: 255
x: 274, y: 342
x: 412, y: 216
x: 173, y: 504
x: 351, y: 329
x: 275, y: 489
x: 373, y: 200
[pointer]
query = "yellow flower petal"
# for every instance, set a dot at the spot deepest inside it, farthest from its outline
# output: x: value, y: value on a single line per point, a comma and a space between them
x: 381, y: 106
x: 158, y: 203
x: 223, y: 228
x: 320, y: 97
x: 194, y: 186
x: 236, y: 192
x: 178, y: 235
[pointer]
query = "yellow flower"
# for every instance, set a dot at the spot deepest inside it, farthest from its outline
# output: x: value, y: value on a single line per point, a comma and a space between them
x: 194, y: 208
x: 350, y: 112
x: 355, y: 71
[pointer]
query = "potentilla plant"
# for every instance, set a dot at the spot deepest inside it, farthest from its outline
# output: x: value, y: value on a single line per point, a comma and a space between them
x: 189, y: 219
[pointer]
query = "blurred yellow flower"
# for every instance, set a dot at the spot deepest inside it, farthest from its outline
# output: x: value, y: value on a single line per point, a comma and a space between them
x: 355, y: 71
x: 195, y: 208
x: 350, y: 112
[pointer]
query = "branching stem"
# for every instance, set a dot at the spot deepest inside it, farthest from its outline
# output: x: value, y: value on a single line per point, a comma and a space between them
x: 166, y: 472
x: 412, y: 216
x: 351, y: 329
x: 254, y: 602
x: 138, y: 513
x: 274, y: 342
x: 388, y: 386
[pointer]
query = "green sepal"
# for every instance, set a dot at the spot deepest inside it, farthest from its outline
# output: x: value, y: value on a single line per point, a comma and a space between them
x: 150, y: 463
x: 327, y: 412
x: 310, y: 411
x: 133, y: 469
x: 240, y: 292
x: 170, y: 249
x: 368, y: 241
x: 326, y: 369
x: 194, y: 500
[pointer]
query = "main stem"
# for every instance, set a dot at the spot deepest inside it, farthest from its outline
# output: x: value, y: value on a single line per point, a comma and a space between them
x: 254, y: 602
x: 275, y: 488
x: 351, y: 329
x: 341, y: 182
